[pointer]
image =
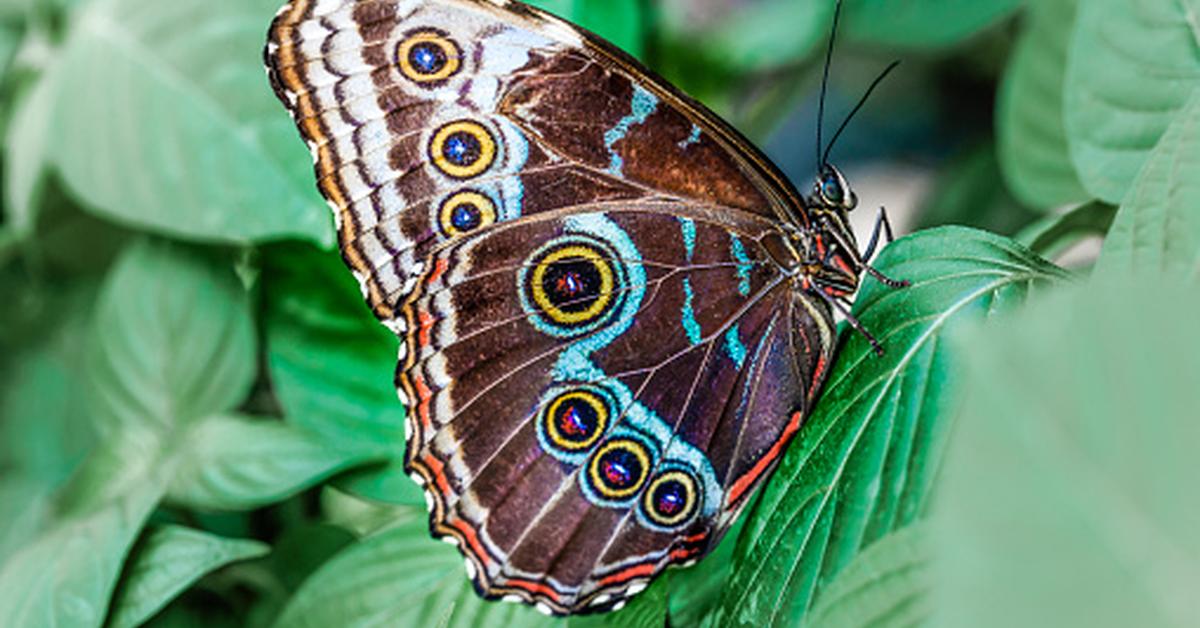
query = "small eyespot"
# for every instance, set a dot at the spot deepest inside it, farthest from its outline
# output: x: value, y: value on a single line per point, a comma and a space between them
x: 619, y: 468
x: 575, y: 420
x: 462, y: 149
x: 428, y: 57
x: 464, y: 212
x: 671, y: 499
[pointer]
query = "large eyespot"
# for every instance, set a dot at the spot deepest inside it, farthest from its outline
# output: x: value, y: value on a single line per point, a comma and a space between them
x: 428, y: 57
x: 575, y: 420
x: 671, y: 499
x: 466, y: 211
x: 619, y: 468
x: 572, y: 287
x: 462, y: 149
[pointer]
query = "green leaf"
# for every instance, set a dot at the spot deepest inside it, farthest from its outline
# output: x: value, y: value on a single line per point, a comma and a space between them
x: 166, y: 562
x: 1032, y: 140
x: 1131, y: 67
x: 864, y: 462
x: 887, y: 585
x: 332, y: 363
x: 174, y: 339
x: 1158, y: 227
x: 1056, y: 233
x: 400, y: 577
x: 239, y: 463
x: 1069, y: 495
x: 922, y: 23
x: 164, y: 121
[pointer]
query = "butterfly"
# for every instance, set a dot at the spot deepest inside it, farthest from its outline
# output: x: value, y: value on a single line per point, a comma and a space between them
x: 614, y: 312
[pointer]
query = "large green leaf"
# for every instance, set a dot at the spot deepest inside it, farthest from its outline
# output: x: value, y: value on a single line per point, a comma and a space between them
x: 647, y: 609
x: 1055, y: 233
x: 1158, y: 226
x: 163, y: 120
x: 864, y: 462
x: 922, y: 23
x: 1131, y: 67
x: 239, y: 463
x: 1032, y: 141
x: 1069, y: 495
x: 885, y: 586
x: 167, y: 562
x: 399, y: 577
x: 332, y: 363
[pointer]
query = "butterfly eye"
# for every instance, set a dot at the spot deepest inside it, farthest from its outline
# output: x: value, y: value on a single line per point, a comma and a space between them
x: 427, y: 58
x: 671, y: 499
x: 831, y: 189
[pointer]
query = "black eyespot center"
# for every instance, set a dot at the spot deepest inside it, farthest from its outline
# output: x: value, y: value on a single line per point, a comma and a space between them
x: 427, y: 58
x: 572, y: 284
x: 462, y: 148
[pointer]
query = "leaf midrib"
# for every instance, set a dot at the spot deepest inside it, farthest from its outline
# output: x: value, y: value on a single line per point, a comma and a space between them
x: 919, y: 344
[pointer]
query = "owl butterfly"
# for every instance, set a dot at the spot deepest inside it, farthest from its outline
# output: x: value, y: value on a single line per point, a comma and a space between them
x: 614, y: 312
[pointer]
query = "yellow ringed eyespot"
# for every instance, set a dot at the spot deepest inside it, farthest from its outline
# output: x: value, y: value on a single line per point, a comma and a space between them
x: 465, y: 211
x: 428, y: 57
x: 573, y: 284
x: 671, y: 498
x: 619, y: 468
x: 575, y: 420
x: 462, y: 149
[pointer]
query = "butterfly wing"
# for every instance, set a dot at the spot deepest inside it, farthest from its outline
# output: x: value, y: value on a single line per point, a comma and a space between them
x: 602, y: 353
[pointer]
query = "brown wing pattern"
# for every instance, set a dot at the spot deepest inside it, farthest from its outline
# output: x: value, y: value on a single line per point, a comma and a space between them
x: 601, y: 357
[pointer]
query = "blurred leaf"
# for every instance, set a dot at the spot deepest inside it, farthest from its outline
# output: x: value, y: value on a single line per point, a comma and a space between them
x: 621, y: 22
x: 1033, y: 149
x: 164, y: 121
x: 1132, y: 66
x: 1158, y: 227
x: 302, y: 550
x: 332, y: 363
x: 1070, y: 496
x: 886, y: 585
x: 864, y: 462
x: 970, y: 191
x: 1055, y: 233
x: 239, y: 463
x: 166, y: 563
x: 26, y: 145
x: 921, y: 23
x: 770, y: 33
x: 175, y: 340
x: 65, y: 577
x: 401, y: 577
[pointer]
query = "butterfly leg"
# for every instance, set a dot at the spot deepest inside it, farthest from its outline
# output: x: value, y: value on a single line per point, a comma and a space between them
x: 858, y: 327
x: 882, y: 225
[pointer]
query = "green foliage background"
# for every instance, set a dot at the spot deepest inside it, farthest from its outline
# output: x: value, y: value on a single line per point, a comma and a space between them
x: 197, y: 425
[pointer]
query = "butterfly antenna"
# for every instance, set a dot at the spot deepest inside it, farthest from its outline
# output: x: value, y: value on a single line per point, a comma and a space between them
x: 862, y: 101
x: 837, y: 13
